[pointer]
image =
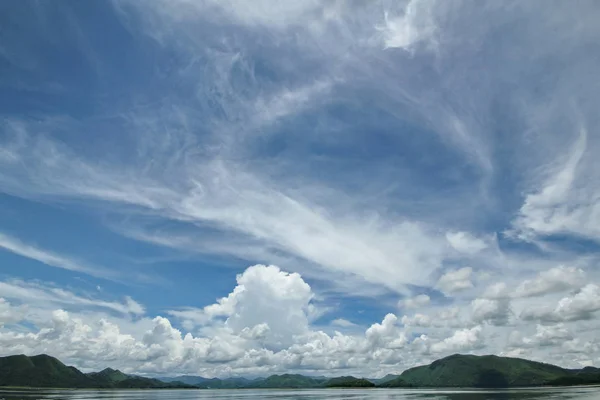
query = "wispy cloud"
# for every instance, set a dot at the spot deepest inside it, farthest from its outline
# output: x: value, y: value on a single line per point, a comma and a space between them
x: 13, y: 245
x: 567, y: 202
x: 49, y: 296
x: 228, y: 198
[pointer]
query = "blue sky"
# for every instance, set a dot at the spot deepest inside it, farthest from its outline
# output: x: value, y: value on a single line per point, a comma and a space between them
x: 233, y: 188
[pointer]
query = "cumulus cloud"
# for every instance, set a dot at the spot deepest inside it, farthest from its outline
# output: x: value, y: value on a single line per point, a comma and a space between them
x: 447, y: 317
x: 273, y: 336
x: 498, y: 290
x: 420, y: 320
x: 238, y: 339
x: 418, y: 301
x: 386, y: 335
x: 264, y: 295
x: 462, y: 340
x: 553, y: 280
x: 496, y: 312
x: 9, y: 314
x: 550, y: 335
x: 580, y: 306
x: 455, y: 280
x: 546, y: 282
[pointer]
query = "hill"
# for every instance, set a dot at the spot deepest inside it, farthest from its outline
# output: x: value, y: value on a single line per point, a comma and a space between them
x: 211, y: 383
x: 41, y: 371
x: 47, y: 371
x: 291, y: 381
x: 348, y: 382
x: 488, y: 372
x: 109, y: 375
x: 387, y: 378
x: 453, y: 371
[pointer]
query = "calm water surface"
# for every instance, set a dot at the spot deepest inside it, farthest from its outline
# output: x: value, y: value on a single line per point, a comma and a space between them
x: 588, y: 393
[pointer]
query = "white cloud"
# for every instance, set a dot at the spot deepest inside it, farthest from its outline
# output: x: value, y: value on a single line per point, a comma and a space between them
x: 274, y: 297
x: 420, y: 320
x: 551, y: 335
x: 580, y: 306
x: 566, y: 203
x: 418, y: 301
x: 546, y: 282
x: 462, y: 340
x: 554, y: 280
x: 343, y: 323
x: 455, y: 280
x: 262, y: 12
x: 237, y: 339
x: 49, y: 258
x: 47, y: 296
x: 580, y: 346
x: 412, y: 27
x: 443, y: 317
x: 498, y: 290
x: 263, y: 295
x: 240, y: 344
x: 234, y: 200
x: 496, y: 312
x: 387, y: 334
x: 464, y: 242
x: 9, y: 314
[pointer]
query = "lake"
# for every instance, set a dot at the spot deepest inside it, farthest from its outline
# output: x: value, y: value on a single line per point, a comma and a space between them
x: 585, y: 393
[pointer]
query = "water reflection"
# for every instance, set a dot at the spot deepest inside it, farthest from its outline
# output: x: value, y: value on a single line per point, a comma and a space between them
x: 587, y: 393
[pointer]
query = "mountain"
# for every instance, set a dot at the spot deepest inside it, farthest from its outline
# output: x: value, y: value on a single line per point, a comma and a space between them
x: 453, y: 371
x: 348, y: 382
x: 291, y: 381
x: 387, y: 378
x: 488, y: 372
x: 138, y: 382
x: 584, y: 376
x: 47, y: 371
x: 211, y: 383
x: 109, y: 375
x: 41, y: 371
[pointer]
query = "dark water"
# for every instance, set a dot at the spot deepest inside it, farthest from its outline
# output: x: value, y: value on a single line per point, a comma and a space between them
x: 588, y: 393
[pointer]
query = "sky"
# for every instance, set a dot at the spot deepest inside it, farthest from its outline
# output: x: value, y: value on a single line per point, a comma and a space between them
x: 234, y: 188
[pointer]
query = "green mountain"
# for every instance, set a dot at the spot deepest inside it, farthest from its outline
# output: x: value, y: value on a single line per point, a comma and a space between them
x: 109, y: 375
x: 211, y: 383
x: 47, y: 371
x: 41, y: 371
x: 348, y: 382
x: 453, y: 371
x: 291, y: 381
x: 487, y: 372
x: 138, y: 382
x: 585, y: 376
x: 387, y: 378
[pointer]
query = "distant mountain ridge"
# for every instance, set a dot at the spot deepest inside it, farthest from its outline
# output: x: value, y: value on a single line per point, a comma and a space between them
x: 453, y: 371
x: 211, y: 383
